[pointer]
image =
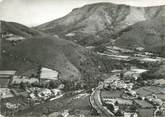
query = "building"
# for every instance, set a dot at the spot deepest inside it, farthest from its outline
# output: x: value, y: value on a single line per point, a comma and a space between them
x: 134, y: 73
x: 5, y: 77
x: 33, y: 97
x: 56, y: 91
x: 139, y: 49
x: 130, y: 114
x: 12, y: 105
x: 17, y: 80
x: 45, y: 94
x: 5, y: 93
x: 11, y: 37
x: 131, y: 92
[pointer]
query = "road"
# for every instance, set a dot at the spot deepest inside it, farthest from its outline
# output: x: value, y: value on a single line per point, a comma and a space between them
x: 96, y: 103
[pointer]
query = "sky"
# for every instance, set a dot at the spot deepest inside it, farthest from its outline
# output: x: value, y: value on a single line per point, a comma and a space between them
x: 35, y: 12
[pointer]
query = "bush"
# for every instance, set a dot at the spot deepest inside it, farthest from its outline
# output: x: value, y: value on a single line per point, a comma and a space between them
x: 150, y: 75
x: 54, y: 83
x: 100, y: 48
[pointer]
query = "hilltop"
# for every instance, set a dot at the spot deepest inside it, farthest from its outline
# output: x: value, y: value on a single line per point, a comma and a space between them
x: 18, y: 29
x: 100, y: 22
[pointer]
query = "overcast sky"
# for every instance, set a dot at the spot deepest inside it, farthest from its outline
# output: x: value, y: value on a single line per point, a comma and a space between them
x: 35, y: 12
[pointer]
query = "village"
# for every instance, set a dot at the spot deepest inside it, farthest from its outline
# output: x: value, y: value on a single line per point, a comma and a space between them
x: 125, y: 94
x: 20, y: 92
x: 123, y: 98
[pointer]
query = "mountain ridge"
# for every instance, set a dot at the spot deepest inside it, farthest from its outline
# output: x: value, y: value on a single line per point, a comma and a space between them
x: 105, y: 18
x: 18, y: 29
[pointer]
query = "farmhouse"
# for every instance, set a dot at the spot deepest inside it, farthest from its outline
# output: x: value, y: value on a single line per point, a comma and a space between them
x: 11, y: 37
x: 5, y: 93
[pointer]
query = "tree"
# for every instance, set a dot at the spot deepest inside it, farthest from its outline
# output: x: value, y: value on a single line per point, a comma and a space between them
x: 133, y: 108
x: 116, y: 103
x: 110, y: 107
x: 100, y: 48
x: 22, y: 85
x: 119, y: 113
x: 54, y: 83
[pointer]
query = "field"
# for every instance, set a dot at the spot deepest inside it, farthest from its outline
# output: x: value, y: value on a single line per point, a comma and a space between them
x: 149, y: 90
x: 111, y: 94
x: 4, y: 82
x: 67, y: 102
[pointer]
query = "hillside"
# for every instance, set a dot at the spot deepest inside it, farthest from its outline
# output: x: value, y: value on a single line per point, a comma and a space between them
x: 97, y: 22
x: 74, y: 62
x: 18, y: 29
x: 148, y: 34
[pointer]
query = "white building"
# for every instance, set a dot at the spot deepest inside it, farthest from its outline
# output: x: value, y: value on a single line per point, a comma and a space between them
x: 22, y: 79
x: 5, y: 93
x: 56, y: 92
x: 45, y: 94
x: 129, y: 114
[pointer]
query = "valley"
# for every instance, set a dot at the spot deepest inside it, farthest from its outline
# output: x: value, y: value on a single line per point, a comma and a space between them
x: 100, y: 60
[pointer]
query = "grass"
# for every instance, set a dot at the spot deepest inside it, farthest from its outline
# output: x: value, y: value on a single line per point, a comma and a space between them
x: 19, y: 29
x: 111, y: 94
x: 4, y: 82
x: 148, y: 34
x: 63, y: 103
x: 72, y: 61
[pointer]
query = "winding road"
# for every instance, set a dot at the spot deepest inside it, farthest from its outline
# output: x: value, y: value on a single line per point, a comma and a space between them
x: 96, y: 103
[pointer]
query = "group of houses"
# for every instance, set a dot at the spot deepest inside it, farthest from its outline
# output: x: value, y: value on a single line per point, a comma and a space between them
x: 10, y: 88
x: 119, y: 84
x: 46, y: 75
x: 149, y: 106
x: 42, y: 94
x: 146, y: 106
x: 115, y: 82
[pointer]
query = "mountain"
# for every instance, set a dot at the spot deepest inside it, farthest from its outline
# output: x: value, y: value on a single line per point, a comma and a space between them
x: 94, y: 23
x: 18, y: 29
x: 149, y: 34
x: 72, y: 61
